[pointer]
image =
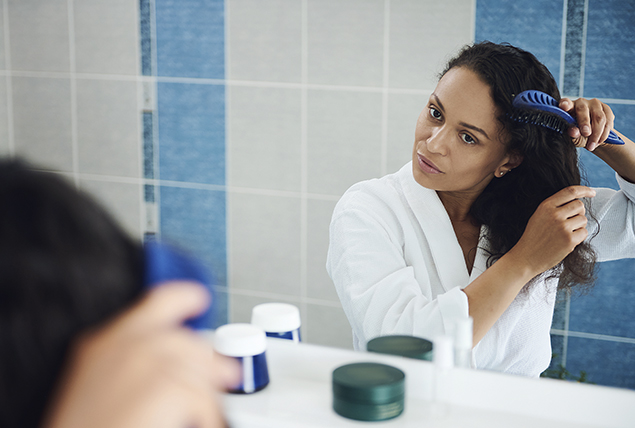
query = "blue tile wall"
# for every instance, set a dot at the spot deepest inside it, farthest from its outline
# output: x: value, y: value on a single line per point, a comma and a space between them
x: 192, y: 132
x: 610, y: 51
x: 190, y: 122
x: 612, y: 297
x: 190, y: 38
x: 609, y: 58
x: 605, y: 362
x: 535, y: 26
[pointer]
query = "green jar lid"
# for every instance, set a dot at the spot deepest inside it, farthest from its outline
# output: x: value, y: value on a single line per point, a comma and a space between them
x: 405, y: 346
x: 368, y: 391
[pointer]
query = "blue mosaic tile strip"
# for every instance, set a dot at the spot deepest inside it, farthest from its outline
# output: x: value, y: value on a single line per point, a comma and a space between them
x: 145, y: 30
x: 190, y: 38
x: 573, y: 48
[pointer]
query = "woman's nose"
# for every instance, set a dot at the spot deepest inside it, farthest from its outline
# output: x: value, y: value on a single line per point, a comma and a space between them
x: 437, y: 141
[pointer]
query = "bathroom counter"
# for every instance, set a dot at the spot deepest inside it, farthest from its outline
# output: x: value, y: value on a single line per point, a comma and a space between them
x: 299, y: 395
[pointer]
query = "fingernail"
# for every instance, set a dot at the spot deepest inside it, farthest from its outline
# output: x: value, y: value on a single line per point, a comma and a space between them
x: 586, y: 130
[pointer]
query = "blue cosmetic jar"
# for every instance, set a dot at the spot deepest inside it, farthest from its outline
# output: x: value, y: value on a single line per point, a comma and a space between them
x: 247, y: 344
x: 279, y: 320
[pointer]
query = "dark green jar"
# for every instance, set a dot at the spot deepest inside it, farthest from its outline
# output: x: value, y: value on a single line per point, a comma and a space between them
x: 405, y: 346
x: 368, y: 391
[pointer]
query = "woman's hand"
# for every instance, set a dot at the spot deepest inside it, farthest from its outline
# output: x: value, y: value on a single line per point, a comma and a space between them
x: 595, y: 121
x: 144, y: 369
x: 554, y: 230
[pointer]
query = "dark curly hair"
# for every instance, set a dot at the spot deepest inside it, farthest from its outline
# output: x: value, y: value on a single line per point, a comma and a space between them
x: 65, y: 266
x: 550, y: 160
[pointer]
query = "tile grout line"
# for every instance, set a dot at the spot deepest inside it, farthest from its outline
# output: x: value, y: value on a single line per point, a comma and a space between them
x: 8, y: 78
x: 73, y: 91
x: 567, y: 315
x: 585, y: 24
x: 593, y: 336
x: 156, y: 167
x: 383, y: 167
x: 304, y: 159
x: 143, y: 207
x: 229, y: 238
x: 563, y: 44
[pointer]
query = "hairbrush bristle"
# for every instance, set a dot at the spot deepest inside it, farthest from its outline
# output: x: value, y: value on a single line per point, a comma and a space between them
x: 540, y: 118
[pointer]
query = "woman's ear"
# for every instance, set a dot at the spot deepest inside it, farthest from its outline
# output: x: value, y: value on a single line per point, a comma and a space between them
x: 515, y: 159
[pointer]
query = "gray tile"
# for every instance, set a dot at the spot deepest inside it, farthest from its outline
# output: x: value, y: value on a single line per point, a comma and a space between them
x: 265, y: 40
x: 346, y: 42
x: 344, y: 137
x: 403, y: 112
x: 328, y: 326
x: 121, y: 200
x: 42, y: 121
x: 39, y: 35
x: 319, y: 284
x: 240, y: 306
x: 108, y: 128
x: 264, y: 243
x: 265, y: 133
x: 423, y: 33
x: 4, y: 134
x: 2, y: 58
x: 106, y: 36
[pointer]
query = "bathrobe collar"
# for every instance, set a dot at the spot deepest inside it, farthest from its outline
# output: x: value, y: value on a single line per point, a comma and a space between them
x: 437, y: 227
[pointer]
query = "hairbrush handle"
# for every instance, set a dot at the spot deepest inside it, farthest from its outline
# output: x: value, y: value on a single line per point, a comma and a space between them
x: 614, y: 139
x: 164, y: 263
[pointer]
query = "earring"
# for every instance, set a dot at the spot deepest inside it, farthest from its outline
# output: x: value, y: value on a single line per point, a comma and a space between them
x: 502, y: 173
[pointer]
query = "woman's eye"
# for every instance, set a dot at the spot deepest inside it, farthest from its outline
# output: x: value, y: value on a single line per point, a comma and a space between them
x: 467, y: 138
x: 436, y: 114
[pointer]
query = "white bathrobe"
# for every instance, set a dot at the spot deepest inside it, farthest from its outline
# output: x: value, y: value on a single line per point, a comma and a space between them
x: 399, y: 269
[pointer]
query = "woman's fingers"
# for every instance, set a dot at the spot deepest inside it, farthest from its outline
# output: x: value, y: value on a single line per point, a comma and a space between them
x: 594, y: 119
x: 168, y: 305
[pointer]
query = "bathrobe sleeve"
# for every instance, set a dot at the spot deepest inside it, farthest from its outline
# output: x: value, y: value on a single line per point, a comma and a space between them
x: 386, y: 283
x: 612, y: 222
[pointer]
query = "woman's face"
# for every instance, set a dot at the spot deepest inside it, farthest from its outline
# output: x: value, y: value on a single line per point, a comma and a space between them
x: 458, y: 144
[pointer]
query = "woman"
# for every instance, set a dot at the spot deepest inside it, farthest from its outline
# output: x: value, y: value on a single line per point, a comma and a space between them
x: 486, y: 220
x: 80, y: 345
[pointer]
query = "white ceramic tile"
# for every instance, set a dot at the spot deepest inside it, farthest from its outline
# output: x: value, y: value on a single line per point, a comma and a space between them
x: 4, y: 136
x: 265, y: 40
x: 107, y: 127
x: 403, y: 111
x: 328, y: 326
x: 319, y: 284
x: 240, y: 306
x: 106, y: 36
x: 424, y: 34
x: 39, y: 35
x: 264, y: 243
x: 346, y: 42
x: 344, y: 139
x: 42, y: 121
x: 121, y: 200
x: 264, y: 130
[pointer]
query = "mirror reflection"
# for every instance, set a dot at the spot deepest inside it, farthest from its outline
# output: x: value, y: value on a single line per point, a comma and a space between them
x: 237, y: 128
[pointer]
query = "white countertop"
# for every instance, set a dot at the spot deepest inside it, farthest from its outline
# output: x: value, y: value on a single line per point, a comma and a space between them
x: 299, y: 395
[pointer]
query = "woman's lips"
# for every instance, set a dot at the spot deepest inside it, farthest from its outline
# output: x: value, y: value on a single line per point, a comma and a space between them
x: 427, y: 166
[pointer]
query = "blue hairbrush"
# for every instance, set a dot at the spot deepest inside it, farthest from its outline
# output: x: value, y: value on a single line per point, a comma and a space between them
x: 538, y: 108
x: 166, y: 263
